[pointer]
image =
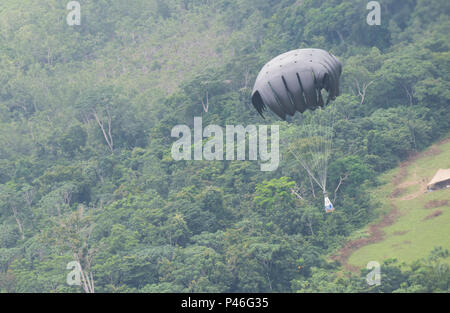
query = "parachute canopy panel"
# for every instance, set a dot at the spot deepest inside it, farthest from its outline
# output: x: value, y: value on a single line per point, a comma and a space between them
x: 293, y: 82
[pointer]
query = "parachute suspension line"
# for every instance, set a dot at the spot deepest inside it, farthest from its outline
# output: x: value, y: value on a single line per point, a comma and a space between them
x: 329, y: 145
x: 321, y: 153
x: 317, y: 128
x: 306, y: 167
x: 311, y: 133
x: 307, y: 159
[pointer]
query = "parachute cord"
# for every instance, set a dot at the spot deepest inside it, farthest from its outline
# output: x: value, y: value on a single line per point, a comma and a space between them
x: 314, y: 132
x: 328, y: 143
x: 318, y: 127
x: 306, y: 167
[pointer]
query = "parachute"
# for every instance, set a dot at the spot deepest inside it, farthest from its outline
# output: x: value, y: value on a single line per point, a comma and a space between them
x: 293, y: 82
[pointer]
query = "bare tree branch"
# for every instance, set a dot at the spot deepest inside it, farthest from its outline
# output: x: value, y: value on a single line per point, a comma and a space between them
x: 341, y: 180
x: 206, y: 106
x: 18, y: 221
x: 295, y: 192
x: 362, y: 91
x: 108, y: 136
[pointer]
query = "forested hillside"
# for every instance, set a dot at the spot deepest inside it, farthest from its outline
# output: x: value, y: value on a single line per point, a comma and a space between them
x: 86, y: 172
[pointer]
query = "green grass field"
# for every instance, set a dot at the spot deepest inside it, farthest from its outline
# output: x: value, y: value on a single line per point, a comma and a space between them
x: 423, y: 218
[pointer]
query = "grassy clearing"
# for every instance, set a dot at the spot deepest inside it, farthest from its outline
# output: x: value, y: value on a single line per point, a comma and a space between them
x: 423, y: 218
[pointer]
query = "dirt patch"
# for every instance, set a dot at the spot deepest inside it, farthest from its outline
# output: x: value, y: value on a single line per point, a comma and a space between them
x: 403, y: 172
x: 414, y: 156
x: 401, y: 181
x: 436, y: 204
x: 402, y: 186
x: 433, y: 215
x: 400, y: 233
x: 418, y: 193
x: 432, y: 151
x: 398, y: 192
x: 376, y: 234
x: 415, y: 181
x: 398, y: 245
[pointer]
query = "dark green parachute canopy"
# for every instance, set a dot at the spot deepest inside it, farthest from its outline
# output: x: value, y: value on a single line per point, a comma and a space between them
x: 293, y: 82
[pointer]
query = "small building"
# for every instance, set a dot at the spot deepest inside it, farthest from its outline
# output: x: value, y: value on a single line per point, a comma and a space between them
x: 440, y: 181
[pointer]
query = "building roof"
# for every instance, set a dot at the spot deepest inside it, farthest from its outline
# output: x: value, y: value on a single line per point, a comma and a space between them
x: 441, y: 176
